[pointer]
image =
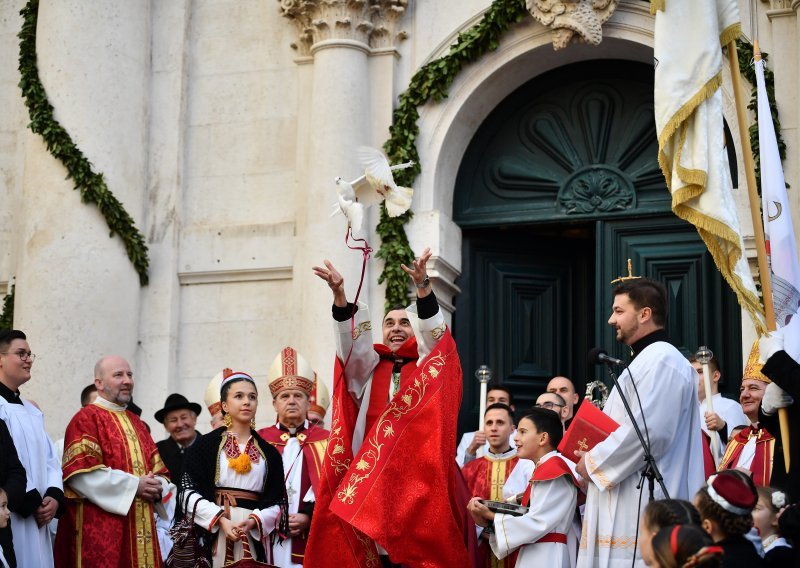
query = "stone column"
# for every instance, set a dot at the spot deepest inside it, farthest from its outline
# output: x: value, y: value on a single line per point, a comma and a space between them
x: 337, y: 35
x: 77, y: 292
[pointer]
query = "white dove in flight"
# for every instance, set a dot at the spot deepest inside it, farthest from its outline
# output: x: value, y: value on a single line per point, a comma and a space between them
x: 376, y: 185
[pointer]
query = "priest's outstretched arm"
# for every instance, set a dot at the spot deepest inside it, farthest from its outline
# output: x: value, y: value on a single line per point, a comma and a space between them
x: 354, y: 340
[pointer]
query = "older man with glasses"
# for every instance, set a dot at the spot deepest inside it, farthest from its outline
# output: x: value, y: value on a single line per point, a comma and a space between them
x: 44, y: 497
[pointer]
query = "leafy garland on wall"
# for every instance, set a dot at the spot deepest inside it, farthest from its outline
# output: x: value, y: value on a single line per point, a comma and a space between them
x: 7, y: 317
x: 90, y: 184
x: 430, y: 83
x: 748, y: 71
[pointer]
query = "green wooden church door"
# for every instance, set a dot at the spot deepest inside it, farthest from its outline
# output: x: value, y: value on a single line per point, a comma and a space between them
x: 558, y: 188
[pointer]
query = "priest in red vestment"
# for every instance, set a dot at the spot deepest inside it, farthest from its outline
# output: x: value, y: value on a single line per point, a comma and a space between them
x: 114, y: 480
x: 753, y: 447
x: 301, y: 445
x: 487, y: 474
x: 389, y: 481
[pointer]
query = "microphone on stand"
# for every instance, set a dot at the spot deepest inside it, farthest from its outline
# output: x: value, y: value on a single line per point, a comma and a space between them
x: 598, y: 356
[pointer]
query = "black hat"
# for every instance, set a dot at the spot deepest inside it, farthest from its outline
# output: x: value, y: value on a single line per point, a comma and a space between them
x: 175, y: 402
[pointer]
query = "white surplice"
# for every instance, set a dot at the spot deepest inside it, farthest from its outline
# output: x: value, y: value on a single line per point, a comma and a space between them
x: 667, y: 385
x: 32, y: 544
x: 293, y: 473
x: 552, y: 509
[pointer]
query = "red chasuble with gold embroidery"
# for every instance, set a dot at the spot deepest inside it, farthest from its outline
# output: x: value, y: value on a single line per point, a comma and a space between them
x: 485, y: 478
x: 312, y: 444
x: 761, y: 466
x: 399, y: 490
x: 88, y: 535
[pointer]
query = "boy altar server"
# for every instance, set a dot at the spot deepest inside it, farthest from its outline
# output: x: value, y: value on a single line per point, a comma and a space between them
x: 540, y: 535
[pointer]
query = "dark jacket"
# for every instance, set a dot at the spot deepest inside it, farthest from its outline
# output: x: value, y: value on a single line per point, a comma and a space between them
x: 201, y: 470
x: 13, y: 481
x: 785, y: 372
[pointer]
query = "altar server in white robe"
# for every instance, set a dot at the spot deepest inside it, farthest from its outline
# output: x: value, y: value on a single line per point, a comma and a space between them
x: 540, y: 535
x: 667, y: 389
x: 44, y: 494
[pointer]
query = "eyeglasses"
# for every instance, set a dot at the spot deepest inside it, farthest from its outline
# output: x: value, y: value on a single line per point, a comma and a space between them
x: 547, y: 405
x: 24, y: 356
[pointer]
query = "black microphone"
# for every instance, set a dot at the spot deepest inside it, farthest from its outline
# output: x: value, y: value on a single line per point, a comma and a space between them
x: 598, y: 356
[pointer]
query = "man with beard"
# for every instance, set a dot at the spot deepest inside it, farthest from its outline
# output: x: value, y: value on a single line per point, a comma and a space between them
x: 114, y: 477
x: 667, y: 399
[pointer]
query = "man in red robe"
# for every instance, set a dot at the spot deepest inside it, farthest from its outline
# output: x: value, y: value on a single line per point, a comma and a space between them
x: 389, y: 486
x: 301, y: 445
x: 753, y: 447
x: 114, y: 480
x: 486, y: 475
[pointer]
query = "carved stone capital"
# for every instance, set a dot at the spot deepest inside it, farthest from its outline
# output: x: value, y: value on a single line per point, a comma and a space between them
x: 781, y: 4
x: 573, y: 20
x: 370, y: 22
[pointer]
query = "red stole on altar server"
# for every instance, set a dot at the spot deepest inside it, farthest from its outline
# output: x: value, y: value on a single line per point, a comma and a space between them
x: 485, y: 478
x: 312, y: 444
x: 551, y: 469
x: 400, y: 489
x: 88, y: 535
x: 762, y: 461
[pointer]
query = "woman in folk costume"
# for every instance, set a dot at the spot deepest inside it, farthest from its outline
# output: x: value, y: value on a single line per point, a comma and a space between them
x: 236, y: 480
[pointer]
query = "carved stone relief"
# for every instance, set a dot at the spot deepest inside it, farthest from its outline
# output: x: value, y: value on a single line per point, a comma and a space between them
x: 371, y: 22
x: 573, y: 20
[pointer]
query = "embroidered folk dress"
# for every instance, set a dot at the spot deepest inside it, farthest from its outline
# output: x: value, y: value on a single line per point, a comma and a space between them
x: 207, y: 474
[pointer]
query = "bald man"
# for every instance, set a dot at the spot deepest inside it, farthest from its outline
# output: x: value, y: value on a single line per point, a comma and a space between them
x: 116, y: 479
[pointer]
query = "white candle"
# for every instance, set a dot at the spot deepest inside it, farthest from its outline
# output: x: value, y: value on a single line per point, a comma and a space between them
x: 715, y: 450
x: 482, y: 406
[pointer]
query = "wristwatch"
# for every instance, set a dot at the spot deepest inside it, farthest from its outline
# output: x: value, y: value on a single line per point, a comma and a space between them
x: 424, y: 284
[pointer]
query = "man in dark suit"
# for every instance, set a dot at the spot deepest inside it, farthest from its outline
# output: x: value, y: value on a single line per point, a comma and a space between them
x: 179, y: 417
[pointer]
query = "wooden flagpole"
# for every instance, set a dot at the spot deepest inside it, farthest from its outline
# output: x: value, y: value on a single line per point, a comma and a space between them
x: 755, y: 212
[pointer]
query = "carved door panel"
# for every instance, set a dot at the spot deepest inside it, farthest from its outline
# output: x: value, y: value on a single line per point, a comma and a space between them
x: 526, y: 310
x: 702, y: 308
x: 558, y: 188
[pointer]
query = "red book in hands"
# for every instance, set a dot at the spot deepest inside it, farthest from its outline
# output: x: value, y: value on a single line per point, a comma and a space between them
x: 589, y: 426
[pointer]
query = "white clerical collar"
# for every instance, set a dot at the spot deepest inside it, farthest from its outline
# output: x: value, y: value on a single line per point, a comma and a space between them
x: 108, y: 405
x: 292, y: 431
x: 509, y: 453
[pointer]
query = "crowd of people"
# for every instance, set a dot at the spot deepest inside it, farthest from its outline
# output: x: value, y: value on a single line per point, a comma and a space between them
x: 386, y: 484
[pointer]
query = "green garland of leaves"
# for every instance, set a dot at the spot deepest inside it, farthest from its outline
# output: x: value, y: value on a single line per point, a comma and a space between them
x: 748, y: 70
x: 91, y: 185
x: 7, y: 317
x: 430, y: 84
